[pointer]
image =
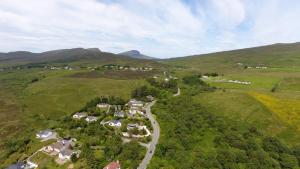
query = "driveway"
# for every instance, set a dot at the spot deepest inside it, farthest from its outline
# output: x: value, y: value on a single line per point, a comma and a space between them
x: 155, y: 137
x: 178, y: 92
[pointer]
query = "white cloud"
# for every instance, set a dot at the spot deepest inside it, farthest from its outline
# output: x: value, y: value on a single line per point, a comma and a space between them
x: 158, y: 28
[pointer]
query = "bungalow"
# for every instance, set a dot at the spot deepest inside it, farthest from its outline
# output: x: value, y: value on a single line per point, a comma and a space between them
x: 91, y: 119
x: 102, y: 105
x: 44, y: 134
x: 119, y: 114
x: 115, y: 123
x: 113, y: 165
x: 66, y: 154
x: 79, y: 115
x: 135, y: 110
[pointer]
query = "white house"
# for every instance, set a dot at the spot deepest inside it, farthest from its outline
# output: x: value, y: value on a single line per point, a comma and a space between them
x: 91, y: 119
x: 79, y: 115
x: 30, y: 165
x: 102, y: 105
x: 44, y: 134
x: 135, y: 103
x: 57, y: 147
x: 136, y: 110
x: 115, y: 123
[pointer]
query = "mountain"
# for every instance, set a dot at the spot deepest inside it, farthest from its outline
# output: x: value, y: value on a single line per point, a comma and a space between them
x: 276, y: 55
x: 136, y: 54
x: 89, y: 55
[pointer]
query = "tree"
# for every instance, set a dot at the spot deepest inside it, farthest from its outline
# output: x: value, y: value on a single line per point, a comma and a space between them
x: 74, y: 158
x: 288, y: 161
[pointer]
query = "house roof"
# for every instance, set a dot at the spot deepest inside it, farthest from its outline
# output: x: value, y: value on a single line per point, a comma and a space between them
x: 19, y: 165
x: 67, y: 152
x: 57, y: 145
x: 112, y: 165
x: 81, y: 113
x: 115, y: 121
x: 91, y: 118
x: 44, y: 132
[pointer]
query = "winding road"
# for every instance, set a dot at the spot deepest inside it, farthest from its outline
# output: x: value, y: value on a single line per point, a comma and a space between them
x: 155, y: 137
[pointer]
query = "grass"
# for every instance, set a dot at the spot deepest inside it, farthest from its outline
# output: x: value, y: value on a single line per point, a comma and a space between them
x: 120, y: 75
x: 60, y: 96
x: 240, y: 107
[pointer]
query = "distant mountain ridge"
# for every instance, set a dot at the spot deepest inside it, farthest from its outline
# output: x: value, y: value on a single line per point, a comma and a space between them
x: 136, y: 54
x: 92, y: 55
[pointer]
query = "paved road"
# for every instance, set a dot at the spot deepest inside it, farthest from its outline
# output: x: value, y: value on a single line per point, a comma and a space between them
x: 155, y: 137
x: 178, y: 92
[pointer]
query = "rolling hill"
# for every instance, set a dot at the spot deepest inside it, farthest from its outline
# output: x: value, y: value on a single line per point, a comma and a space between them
x: 276, y: 55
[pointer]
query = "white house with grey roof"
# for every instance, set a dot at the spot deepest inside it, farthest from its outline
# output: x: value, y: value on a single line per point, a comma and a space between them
x: 44, y: 134
x: 91, y: 119
x: 115, y: 123
x: 80, y: 115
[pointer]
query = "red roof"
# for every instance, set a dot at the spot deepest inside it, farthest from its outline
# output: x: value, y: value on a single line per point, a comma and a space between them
x: 113, y: 165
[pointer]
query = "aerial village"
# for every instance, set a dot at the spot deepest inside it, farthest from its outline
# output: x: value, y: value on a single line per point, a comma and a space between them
x: 129, y: 119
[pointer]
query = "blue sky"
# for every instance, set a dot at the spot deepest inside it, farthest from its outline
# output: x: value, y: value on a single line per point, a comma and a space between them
x: 159, y: 28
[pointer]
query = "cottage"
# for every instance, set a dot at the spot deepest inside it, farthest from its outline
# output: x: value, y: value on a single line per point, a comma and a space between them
x: 44, y: 134
x: 119, y: 114
x: 19, y: 165
x: 115, y: 123
x: 79, y: 115
x: 102, y: 105
x: 113, y: 165
x: 66, y: 154
x: 91, y: 119
x: 135, y: 103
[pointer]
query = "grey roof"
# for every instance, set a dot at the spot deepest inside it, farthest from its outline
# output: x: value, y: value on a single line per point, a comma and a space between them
x: 19, y: 165
x: 116, y: 121
x: 44, y: 132
x: 67, y: 152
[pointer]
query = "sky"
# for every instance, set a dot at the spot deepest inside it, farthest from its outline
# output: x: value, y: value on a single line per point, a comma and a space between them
x: 158, y: 28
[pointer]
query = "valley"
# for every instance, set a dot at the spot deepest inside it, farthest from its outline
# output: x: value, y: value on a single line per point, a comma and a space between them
x: 213, y: 120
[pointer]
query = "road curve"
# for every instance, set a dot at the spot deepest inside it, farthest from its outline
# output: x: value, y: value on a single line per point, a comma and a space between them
x: 155, y: 137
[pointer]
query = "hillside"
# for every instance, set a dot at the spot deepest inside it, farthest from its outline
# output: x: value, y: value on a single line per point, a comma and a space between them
x: 276, y: 56
x: 136, y: 54
x: 75, y: 55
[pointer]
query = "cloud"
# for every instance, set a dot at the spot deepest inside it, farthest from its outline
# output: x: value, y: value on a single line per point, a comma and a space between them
x: 158, y: 28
